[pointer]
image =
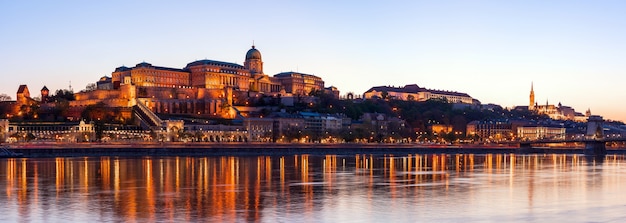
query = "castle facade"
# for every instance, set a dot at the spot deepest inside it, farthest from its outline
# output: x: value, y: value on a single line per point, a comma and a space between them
x: 203, y: 87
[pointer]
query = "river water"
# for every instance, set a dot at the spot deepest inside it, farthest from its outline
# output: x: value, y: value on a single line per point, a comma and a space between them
x: 361, y: 188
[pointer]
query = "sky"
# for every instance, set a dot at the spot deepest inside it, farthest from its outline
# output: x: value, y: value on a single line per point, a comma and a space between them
x: 573, y: 51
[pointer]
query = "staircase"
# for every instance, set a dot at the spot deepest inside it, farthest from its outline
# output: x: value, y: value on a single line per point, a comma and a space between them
x: 147, y: 118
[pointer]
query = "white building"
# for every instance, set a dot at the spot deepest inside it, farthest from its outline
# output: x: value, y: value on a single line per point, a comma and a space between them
x: 413, y: 92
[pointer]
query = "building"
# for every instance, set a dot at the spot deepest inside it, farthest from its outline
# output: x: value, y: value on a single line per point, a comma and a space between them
x: 203, y: 87
x: 23, y: 95
x: 48, y: 131
x: 537, y: 132
x: 332, y: 90
x: 215, y: 133
x: 298, y: 83
x: 312, y: 122
x: 413, y: 92
x: 557, y: 112
x: 531, y: 105
x: 105, y: 83
x: 440, y: 128
x: 275, y: 127
x: 259, y: 129
x: 45, y: 93
x: 490, y: 130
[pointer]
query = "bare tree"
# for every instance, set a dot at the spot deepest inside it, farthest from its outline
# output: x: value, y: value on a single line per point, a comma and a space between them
x: 5, y: 97
x: 91, y: 87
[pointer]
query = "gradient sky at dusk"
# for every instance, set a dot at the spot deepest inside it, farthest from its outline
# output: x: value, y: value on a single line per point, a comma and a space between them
x: 573, y: 51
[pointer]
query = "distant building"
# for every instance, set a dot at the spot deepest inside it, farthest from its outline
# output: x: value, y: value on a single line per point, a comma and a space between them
x: 490, y: 130
x: 299, y: 83
x: 413, y: 92
x: 216, y: 133
x: 259, y: 129
x: 23, y: 95
x: 439, y: 128
x: 44, y: 94
x: 4, y: 129
x: 312, y: 122
x: 381, y: 123
x: 105, y: 83
x: 50, y: 131
x: 332, y: 90
x: 557, y: 112
x: 536, y: 132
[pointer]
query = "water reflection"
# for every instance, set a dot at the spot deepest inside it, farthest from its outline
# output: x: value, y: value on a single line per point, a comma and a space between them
x: 462, y: 187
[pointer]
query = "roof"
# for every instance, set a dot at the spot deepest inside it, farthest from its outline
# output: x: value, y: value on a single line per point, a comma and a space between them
x: 22, y: 89
x: 147, y: 65
x: 310, y: 114
x: 414, y: 88
x: 284, y: 115
x: 543, y: 126
x: 292, y: 74
x: 105, y: 78
x: 395, y: 89
x: 452, y: 93
x: 215, y: 63
x: 122, y: 68
x: 253, y: 53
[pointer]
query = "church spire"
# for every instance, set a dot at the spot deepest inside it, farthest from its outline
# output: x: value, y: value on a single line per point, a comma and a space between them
x: 531, y: 105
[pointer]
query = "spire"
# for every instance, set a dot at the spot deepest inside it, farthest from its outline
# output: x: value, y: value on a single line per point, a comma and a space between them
x: 532, y: 97
x: 252, y: 44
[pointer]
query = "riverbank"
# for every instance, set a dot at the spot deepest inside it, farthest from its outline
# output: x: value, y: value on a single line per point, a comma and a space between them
x: 268, y: 149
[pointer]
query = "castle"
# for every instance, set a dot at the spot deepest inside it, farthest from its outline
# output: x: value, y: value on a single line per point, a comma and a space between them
x: 204, y: 87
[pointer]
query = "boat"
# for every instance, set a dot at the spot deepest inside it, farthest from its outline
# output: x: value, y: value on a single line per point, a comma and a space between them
x: 5, y: 152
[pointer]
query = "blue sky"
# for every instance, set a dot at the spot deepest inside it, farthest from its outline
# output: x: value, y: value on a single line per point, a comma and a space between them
x: 574, y: 51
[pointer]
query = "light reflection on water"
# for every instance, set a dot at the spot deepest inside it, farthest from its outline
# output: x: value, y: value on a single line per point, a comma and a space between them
x: 363, y: 188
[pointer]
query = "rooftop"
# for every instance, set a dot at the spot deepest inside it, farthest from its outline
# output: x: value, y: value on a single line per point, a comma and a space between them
x: 215, y: 63
x: 414, y: 88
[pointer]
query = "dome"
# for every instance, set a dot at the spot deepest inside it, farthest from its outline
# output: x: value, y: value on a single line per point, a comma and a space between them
x: 253, y: 54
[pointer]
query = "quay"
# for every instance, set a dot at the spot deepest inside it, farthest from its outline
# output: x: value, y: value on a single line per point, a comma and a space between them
x: 269, y: 149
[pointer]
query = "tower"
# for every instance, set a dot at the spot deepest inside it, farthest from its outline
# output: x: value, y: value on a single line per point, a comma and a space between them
x: 23, y: 95
x: 44, y: 94
x: 531, y: 105
x: 253, y: 61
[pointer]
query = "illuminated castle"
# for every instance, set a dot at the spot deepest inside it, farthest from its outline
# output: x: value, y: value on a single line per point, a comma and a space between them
x: 203, y: 87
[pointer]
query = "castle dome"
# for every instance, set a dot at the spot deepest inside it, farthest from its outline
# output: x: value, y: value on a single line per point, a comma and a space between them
x: 253, y: 54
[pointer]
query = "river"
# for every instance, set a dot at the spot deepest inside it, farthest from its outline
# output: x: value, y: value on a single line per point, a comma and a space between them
x: 360, y: 188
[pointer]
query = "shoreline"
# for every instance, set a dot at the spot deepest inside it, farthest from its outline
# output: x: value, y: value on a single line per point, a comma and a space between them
x: 34, y: 150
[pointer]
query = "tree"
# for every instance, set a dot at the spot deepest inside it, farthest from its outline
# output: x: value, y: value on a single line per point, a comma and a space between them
x: 97, y: 112
x: 99, y: 129
x: 62, y: 94
x: 91, y: 87
x: 410, y: 98
x: 384, y: 95
x: 315, y: 92
x: 5, y: 97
